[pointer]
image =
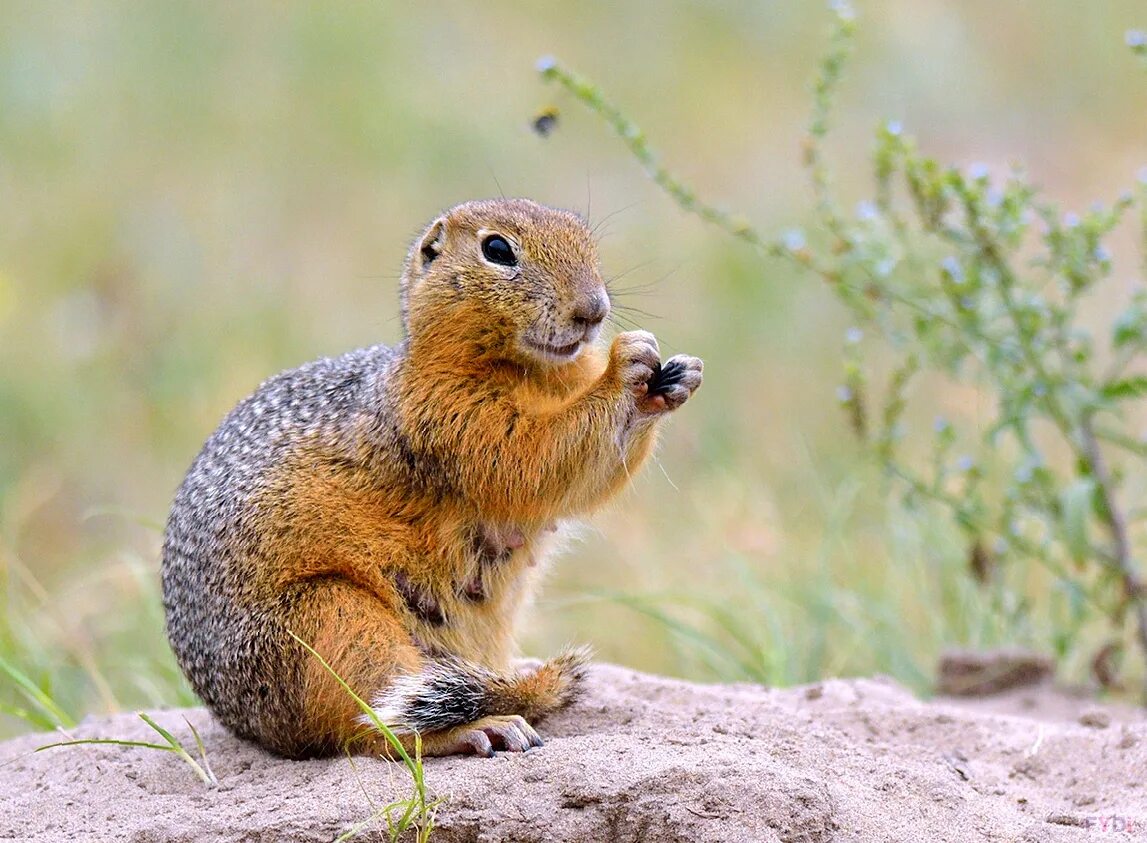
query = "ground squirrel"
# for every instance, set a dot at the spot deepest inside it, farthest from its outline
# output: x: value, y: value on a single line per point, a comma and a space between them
x: 391, y: 506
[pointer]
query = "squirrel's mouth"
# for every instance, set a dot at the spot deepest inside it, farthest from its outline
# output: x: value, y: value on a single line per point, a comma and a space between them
x: 556, y: 353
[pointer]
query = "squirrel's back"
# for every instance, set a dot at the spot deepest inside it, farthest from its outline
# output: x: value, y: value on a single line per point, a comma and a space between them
x: 217, y: 535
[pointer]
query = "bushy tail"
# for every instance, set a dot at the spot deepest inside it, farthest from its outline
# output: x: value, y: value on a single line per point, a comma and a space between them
x: 450, y: 691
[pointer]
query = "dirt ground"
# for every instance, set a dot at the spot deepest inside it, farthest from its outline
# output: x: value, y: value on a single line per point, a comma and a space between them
x: 640, y: 758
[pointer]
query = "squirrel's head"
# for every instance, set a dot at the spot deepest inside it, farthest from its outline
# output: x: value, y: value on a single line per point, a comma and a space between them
x: 517, y: 279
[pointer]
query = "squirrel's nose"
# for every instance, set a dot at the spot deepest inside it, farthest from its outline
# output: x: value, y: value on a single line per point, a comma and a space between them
x: 591, y: 309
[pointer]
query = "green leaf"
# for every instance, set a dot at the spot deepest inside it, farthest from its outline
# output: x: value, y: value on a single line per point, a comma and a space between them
x: 1128, y: 327
x: 1133, y: 387
x: 1076, y: 504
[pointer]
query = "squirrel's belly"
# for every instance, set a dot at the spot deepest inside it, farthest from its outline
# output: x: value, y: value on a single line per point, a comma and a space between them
x: 478, y: 616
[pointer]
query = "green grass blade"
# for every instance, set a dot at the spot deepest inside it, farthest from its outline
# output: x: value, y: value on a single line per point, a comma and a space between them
x: 172, y: 746
x: 385, y: 810
x: 178, y: 749
x: 33, y: 718
x: 166, y: 735
x: 110, y: 741
x: 418, y: 810
x: 202, y: 750
x: 391, y: 738
x: 36, y: 696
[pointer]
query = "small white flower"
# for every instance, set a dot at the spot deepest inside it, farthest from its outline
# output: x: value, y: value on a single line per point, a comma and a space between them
x: 953, y: 269
x: 843, y: 394
x: 843, y: 9
x: 853, y: 335
x: 794, y: 240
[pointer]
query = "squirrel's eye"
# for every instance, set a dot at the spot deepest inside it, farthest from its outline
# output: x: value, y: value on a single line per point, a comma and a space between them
x: 496, y: 249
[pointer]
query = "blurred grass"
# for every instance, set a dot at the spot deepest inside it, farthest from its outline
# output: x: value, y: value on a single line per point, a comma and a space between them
x: 196, y: 195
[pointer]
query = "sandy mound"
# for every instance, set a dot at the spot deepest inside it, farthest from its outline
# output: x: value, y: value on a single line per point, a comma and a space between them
x: 641, y: 758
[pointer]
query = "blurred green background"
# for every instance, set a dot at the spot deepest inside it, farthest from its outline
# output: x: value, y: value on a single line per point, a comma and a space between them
x: 194, y: 196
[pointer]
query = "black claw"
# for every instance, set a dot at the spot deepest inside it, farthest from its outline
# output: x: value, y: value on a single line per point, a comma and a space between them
x: 666, y: 377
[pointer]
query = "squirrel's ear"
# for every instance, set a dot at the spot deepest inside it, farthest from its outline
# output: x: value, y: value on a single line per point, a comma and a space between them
x: 432, y: 242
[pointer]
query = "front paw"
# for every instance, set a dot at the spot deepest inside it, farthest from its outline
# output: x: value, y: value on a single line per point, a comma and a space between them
x: 672, y: 384
x: 635, y: 357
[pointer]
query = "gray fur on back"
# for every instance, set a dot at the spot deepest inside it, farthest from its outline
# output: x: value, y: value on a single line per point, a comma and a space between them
x: 214, y: 533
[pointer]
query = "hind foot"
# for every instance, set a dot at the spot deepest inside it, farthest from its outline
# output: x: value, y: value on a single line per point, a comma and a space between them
x: 509, y: 733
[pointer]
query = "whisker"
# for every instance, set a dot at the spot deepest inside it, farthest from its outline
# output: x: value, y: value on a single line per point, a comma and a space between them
x: 623, y: 322
x: 494, y: 176
x: 625, y: 272
x: 629, y: 309
x: 638, y: 290
x: 667, y: 275
x: 610, y: 216
x: 641, y: 289
x: 588, y: 199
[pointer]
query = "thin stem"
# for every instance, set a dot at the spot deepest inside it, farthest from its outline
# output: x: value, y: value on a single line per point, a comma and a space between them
x: 635, y: 139
x: 1121, y: 440
x: 1116, y: 523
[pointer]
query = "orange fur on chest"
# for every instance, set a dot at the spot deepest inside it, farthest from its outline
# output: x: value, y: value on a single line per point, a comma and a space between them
x: 465, y: 410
